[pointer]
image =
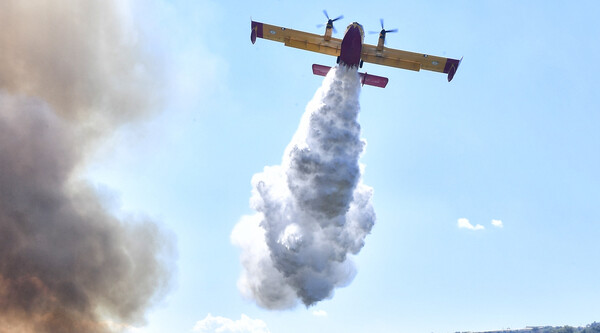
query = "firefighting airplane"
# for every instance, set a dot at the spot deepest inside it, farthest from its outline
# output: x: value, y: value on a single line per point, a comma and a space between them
x: 352, y: 52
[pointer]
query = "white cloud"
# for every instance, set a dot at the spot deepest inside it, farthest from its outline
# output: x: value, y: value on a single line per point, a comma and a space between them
x: 212, y: 324
x: 464, y: 223
x: 319, y: 313
x: 497, y: 223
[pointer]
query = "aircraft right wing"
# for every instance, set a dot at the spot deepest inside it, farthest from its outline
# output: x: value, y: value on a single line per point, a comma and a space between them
x: 409, y: 60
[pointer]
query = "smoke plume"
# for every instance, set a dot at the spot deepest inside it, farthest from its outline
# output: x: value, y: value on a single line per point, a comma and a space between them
x: 312, y: 210
x: 71, y: 72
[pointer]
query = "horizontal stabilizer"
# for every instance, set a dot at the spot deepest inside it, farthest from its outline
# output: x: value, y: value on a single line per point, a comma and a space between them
x: 368, y: 79
x: 373, y: 80
x: 320, y: 69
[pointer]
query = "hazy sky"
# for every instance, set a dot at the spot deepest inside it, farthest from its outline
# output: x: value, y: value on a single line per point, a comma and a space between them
x: 486, y: 189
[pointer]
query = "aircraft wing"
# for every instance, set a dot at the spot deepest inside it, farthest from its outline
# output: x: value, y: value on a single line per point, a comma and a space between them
x: 409, y: 60
x: 298, y: 39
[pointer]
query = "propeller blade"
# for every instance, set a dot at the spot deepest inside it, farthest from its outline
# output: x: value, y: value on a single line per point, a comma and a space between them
x: 330, y: 21
x: 381, y: 20
x: 393, y: 30
x: 373, y: 32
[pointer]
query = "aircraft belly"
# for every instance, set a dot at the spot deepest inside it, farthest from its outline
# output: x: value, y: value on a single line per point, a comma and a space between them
x: 351, y: 48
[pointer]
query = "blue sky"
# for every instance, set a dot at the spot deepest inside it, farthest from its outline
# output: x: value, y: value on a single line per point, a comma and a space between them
x: 513, y: 138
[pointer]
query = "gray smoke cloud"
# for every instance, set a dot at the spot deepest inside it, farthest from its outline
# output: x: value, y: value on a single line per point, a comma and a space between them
x: 313, y: 209
x: 71, y: 72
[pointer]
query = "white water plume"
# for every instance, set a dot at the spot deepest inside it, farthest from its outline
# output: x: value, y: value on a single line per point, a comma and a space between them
x: 313, y: 209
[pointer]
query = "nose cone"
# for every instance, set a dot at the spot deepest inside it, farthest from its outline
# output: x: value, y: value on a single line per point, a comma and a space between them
x: 358, y: 26
x: 354, y: 26
x: 356, y: 29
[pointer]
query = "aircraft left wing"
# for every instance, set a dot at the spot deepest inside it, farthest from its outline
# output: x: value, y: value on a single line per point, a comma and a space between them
x: 409, y: 60
x: 294, y: 38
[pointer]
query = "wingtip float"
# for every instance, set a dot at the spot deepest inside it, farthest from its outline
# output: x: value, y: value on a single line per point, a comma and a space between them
x: 352, y: 52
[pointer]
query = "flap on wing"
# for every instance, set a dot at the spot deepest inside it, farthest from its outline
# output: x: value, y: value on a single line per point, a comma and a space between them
x: 319, y: 47
x: 392, y: 62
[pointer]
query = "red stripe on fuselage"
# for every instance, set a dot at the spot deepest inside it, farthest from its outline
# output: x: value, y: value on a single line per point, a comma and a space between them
x: 351, y: 46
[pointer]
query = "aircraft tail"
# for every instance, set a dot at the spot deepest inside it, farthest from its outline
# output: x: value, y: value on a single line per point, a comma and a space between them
x: 368, y: 79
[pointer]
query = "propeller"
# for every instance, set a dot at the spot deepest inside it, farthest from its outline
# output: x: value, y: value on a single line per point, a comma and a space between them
x: 330, y: 21
x: 383, y: 32
x: 386, y: 31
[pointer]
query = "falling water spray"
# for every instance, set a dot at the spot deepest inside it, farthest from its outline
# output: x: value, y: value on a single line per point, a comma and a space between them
x: 313, y: 210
